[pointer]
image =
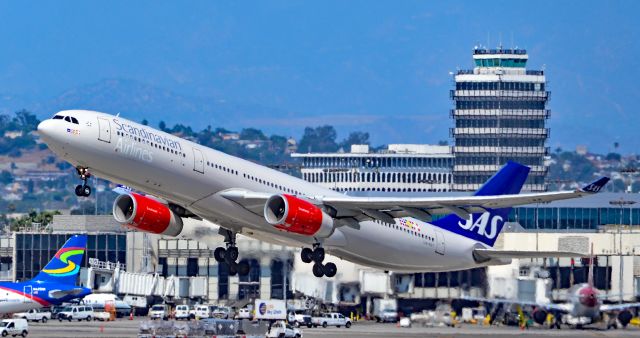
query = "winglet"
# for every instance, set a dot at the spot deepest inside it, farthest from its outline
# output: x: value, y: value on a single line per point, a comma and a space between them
x: 596, y: 185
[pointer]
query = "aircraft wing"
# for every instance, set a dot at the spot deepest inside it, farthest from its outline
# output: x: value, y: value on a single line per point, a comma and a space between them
x: 63, y: 293
x: 482, y: 255
x: 422, y: 208
x: 562, y: 307
x: 618, y: 307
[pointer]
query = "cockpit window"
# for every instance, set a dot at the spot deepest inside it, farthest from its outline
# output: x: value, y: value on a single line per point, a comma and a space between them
x: 74, y: 120
x: 67, y: 118
x: 58, y: 117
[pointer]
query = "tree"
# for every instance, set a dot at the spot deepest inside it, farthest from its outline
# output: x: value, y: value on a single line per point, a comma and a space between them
x: 252, y: 134
x: 319, y: 139
x: 613, y: 157
x: 6, y: 177
x: 162, y: 126
x: 26, y: 121
x: 145, y: 122
x: 356, y: 137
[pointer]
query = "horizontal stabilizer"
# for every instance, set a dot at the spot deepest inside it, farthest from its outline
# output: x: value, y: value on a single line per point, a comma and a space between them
x: 64, y: 293
x: 483, y: 255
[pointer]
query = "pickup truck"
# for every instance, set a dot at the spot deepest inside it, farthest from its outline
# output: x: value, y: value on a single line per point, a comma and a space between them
x: 331, y: 319
x: 35, y: 315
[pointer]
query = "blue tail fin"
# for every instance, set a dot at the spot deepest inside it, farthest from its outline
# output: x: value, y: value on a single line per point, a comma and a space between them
x: 485, y: 227
x: 65, y: 265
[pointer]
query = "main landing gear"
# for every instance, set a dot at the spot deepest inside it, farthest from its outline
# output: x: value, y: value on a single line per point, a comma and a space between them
x: 229, y: 255
x: 316, y: 255
x: 83, y: 190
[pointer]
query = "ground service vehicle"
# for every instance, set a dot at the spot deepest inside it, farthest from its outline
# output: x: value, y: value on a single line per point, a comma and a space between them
x: 14, y: 327
x: 331, y: 319
x: 202, y: 311
x: 77, y: 312
x: 301, y: 318
x: 270, y: 309
x: 280, y: 329
x: 183, y: 312
x: 35, y: 315
x: 221, y: 312
x: 159, y: 311
x: 385, y: 310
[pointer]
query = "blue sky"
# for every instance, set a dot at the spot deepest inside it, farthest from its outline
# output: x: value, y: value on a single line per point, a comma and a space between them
x: 377, y: 66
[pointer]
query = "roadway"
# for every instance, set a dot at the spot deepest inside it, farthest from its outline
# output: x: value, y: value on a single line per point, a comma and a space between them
x: 127, y: 328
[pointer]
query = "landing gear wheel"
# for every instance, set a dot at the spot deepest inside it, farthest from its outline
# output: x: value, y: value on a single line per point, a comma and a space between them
x: 329, y: 269
x: 79, y: 191
x: 318, y: 271
x: 219, y: 253
x: 243, y: 268
x: 86, y: 190
x: 318, y: 255
x: 306, y: 255
x: 233, y: 269
x: 231, y: 254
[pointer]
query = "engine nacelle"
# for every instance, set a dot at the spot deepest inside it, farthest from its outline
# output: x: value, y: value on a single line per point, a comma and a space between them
x: 145, y: 214
x: 292, y: 214
x: 539, y: 316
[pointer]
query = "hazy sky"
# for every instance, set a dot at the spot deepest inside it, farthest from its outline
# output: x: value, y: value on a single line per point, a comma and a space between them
x: 348, y: 63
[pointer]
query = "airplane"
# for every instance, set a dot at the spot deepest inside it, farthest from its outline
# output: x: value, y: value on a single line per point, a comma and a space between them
x: 55, y: 284
x: 584, y: 305
x: 176, y: 178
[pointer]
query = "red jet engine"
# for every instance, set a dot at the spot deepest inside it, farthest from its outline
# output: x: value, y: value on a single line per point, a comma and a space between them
x: 146, y: 214
x: 292, y: 214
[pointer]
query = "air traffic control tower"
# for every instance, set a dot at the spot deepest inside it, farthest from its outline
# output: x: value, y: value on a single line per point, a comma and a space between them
x: 500, y: 114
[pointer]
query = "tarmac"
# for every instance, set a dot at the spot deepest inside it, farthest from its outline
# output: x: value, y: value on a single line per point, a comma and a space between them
x: 129, y: 328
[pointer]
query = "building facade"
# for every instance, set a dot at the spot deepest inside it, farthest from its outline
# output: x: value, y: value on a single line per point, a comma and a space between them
x: 400, y: 168
x: 500, y: 112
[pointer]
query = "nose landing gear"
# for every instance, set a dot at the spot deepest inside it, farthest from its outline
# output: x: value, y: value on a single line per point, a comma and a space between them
x: 83, y: 190
x: 317, y: 256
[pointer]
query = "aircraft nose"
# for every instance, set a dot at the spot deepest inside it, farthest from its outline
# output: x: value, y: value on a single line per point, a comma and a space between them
x: 45, y: 128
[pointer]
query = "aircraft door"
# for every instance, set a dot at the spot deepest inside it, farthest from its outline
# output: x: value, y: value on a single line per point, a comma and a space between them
x: 28, y: 292
x: 198, y: 161
x: 439, y: 242
x: 105, y: 130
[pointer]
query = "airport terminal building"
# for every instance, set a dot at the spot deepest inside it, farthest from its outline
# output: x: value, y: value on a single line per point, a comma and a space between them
x: 163, y: 269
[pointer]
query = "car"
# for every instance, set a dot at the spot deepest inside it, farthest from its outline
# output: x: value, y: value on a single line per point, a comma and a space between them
x: 221, y: 312
x: 280, y: 329
x: 159, y: 311
x: 14, y: 327
x: 36, y: 315
x: 244, y: 313
x: 405, y: 322
x: 183, y: 312
x: 331, y: 319
x: 79, y: 312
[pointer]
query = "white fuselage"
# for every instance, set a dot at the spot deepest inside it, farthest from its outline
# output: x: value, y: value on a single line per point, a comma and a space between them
x: 11, y: 303
x: 193, y: 175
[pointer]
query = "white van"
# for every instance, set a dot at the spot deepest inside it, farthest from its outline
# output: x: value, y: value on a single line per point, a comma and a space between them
x: 78, y: 312
x: 202, y: 311
x: 14, y: 327
x: 183, y: 312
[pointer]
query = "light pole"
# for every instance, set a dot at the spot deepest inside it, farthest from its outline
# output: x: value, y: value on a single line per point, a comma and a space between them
x: 621, y: 203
